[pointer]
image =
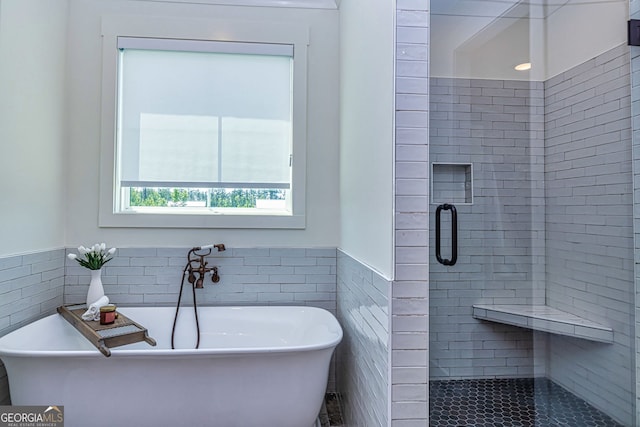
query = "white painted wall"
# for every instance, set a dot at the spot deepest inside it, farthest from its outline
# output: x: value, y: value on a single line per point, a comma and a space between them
x: 470, y: 44
x: 486, y: 47
x: 84, y: 131
x: 32, y: 125
x: 579, y: 32
x: 366, y: 132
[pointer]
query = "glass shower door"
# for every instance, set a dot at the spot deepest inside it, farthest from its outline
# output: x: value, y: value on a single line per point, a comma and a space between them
x: 530, y: 142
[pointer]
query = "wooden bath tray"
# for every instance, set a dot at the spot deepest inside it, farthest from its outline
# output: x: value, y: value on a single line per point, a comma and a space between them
x: 123, y: 331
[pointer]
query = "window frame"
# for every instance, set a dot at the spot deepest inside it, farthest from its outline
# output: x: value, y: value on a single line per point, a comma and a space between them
x: 200, y: 29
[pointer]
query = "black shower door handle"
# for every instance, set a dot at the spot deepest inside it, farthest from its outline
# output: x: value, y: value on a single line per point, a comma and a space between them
x: 454, y: 234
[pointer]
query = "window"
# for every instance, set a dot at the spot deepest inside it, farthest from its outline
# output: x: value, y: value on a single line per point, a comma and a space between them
x: 205, y: 133
x: 207, y: 124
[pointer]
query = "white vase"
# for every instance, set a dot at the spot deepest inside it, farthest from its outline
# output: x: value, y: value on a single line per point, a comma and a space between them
x: 96, y: 291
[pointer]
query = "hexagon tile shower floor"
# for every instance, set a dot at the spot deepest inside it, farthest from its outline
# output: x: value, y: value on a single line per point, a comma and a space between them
x: 521, y: 402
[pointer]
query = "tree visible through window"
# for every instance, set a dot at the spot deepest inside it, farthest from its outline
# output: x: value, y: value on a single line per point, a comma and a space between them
x: 216, y: 198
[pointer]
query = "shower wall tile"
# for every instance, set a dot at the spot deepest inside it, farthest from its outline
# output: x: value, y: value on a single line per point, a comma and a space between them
x: 496, y: 126
x: 410, y: 297
x: 363, y: 356
x: 589, y: 228
x: 31, y: 287
x: 635, y: 116
x: 261, y: 276
x: 634, y: 11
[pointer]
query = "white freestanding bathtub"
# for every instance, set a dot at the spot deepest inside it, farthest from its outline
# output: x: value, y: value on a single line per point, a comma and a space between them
x: 256, y: 367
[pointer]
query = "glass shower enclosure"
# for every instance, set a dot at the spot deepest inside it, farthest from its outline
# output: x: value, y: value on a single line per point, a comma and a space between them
x: 532, y: 283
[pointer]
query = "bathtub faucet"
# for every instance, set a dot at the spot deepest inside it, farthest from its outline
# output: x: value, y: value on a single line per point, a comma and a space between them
x: 197, y: 266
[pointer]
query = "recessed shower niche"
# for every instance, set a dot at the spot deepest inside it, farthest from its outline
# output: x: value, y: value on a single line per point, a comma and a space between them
x: 452, y: 183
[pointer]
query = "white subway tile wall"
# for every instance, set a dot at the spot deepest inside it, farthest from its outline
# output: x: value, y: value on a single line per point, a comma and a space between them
x: 497, y: 126
x: 410, y: 289
x: 589, y: 197
x: 634, y: 11
x: 31, y: 287
x: 260, y: 276
x: 363, y: 356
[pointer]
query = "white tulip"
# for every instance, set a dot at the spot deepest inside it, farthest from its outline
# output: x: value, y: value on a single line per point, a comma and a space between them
x: 112, y: 251
x: 72, y: 256
x: 103, y: 246
x: 95, y: 248
x: 83, y: 250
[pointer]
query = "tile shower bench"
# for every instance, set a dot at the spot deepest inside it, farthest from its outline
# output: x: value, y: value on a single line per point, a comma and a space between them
x: 544, y: 318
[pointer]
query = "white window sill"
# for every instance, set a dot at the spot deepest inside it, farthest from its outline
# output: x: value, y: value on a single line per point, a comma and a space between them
x: 305, y: 4
x: 213, y: 218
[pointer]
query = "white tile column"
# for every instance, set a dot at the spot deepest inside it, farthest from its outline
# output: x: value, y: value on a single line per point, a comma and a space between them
x: 410, y: 290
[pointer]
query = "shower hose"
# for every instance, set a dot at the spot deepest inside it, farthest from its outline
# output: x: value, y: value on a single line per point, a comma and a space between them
x: 195, y: 308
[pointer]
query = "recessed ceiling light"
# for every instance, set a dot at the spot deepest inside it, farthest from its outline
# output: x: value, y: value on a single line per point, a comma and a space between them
x: 523, y: 67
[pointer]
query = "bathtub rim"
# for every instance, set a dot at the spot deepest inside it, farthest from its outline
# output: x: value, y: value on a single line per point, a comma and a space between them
x: 151, y: 351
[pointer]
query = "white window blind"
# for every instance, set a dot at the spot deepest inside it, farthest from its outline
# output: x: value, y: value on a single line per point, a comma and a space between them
x: 204, y: 114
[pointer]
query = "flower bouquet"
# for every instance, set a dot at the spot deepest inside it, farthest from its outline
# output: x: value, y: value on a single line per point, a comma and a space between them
x: 94, y: 258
